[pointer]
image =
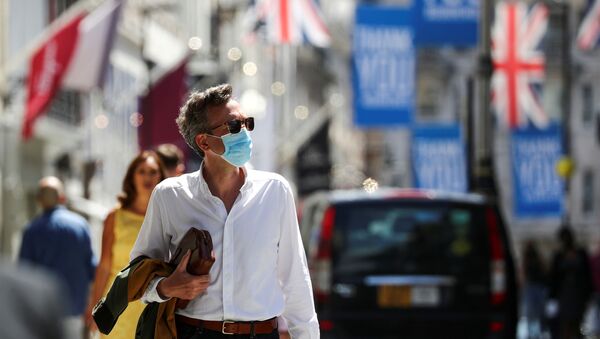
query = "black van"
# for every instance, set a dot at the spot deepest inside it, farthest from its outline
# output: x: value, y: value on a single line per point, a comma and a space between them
x: 409, y: 264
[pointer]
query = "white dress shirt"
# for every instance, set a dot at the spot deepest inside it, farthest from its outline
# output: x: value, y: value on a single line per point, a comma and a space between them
x: 260, y: 270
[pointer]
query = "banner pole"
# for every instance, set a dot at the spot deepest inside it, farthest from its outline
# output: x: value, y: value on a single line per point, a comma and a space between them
x: 483, y: 171
x: 566, y: 104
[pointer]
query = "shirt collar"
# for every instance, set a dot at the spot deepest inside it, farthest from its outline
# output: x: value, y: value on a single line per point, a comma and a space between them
x: 53, y: 208
x: 203, y: 186
x: 247, y: 179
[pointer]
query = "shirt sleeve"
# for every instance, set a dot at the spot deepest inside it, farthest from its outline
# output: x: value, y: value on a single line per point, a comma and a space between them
x: 294, y: 278
x: 151, y: 240
x: 89, y: 254
x: 151, y: 294
x: 26, y: 251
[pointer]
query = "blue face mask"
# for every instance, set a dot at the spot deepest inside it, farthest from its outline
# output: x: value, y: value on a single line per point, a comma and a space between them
x: 238, y: 148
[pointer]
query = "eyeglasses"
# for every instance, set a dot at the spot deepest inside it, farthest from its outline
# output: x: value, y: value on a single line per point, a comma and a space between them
x: 235, y: 126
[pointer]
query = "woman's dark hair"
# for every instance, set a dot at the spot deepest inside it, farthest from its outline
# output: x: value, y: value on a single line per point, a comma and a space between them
x: 128, y: 194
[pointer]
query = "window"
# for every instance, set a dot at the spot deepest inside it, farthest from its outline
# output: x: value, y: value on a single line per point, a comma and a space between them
x: 588, y: 192
x: 409, y: 239
x: 57, y: 7
x: 554, y: 47
x: 66, y: 107
x: 429, y: 87
x: 587, y: 99
x: 435, y: 87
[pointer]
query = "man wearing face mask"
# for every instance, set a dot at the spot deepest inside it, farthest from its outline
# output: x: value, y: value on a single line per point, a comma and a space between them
x: 260, y: 270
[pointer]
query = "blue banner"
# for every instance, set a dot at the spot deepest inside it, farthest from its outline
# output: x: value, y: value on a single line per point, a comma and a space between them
x: 438, y: 158
x: 446, y: 22
x: 383, y: 64
x: 538, y: 190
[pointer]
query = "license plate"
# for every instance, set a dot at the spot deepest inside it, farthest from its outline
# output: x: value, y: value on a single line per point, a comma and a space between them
x: 389, y: 296
x: 425, y: 295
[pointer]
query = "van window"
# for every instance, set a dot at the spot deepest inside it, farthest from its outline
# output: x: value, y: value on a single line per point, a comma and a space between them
x: 426, y: 239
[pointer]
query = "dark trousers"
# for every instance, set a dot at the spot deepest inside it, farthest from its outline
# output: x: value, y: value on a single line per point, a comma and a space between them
x: 185, y: 331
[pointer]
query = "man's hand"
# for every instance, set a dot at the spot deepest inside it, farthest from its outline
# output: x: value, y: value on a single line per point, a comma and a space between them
x: 180, y: 284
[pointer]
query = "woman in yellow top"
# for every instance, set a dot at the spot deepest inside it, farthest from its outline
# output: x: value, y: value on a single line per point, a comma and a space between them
x: 121, y: 228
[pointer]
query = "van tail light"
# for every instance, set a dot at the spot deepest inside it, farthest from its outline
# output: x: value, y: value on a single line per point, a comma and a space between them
x: 326, y: 325
x: 497, y: 254
x: 496, y: 326
x: 321, y: 270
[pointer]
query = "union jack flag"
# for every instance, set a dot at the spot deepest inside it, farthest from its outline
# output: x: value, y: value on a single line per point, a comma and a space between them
x: 589, y: 31
x: 518, y: 65
x: 290, y: 22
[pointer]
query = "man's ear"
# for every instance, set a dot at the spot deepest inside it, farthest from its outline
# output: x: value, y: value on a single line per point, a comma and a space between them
x: 201, y: 142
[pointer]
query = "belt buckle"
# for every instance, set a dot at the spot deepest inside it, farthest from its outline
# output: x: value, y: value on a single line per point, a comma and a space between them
x: 225, y: 322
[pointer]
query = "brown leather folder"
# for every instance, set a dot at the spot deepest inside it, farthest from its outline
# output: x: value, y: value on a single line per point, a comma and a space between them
x: 202, y: 257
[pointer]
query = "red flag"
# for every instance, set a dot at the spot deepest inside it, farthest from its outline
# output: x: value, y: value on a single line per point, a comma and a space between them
x: 74, y: 57
x: 90, y: 59
x: 47, y: 68
x: 160, y: 108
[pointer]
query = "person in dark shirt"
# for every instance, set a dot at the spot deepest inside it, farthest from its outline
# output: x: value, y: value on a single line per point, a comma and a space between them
x: 58, y: 240
x: 571, y: 285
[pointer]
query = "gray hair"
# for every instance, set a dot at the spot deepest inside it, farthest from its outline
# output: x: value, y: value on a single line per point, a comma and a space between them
x: 193, y: 117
